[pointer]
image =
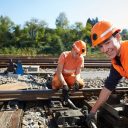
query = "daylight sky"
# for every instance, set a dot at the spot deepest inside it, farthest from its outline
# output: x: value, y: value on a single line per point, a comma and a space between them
x: 20, y: 11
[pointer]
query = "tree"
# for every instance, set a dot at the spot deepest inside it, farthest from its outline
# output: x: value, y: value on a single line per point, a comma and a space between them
x: 92, y: 21
x: 6, y: 29
x: 124, y: 34
x: 77, y: 26
x: 62, y: 21
x: 55, y: 46
x: 35, y: 31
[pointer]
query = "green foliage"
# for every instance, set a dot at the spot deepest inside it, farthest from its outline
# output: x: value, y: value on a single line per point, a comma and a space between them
x: 55, y: 46
x: 36, y: 38
x: 18, y: 52
x: 124, y: 34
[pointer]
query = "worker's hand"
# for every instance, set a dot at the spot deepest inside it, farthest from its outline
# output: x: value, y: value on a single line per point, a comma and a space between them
x: 65, y: 87
x: 91, y: 120
x: 76, y: 86
x: 65, y: 93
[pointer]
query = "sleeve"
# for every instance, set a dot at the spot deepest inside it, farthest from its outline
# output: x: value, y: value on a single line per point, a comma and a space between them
x: 113, y: 79
x: 61, y: 59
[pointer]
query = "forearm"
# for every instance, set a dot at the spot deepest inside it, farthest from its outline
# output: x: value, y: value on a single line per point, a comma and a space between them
x: 103, y: 97
x: 60, y: 75
x: 77, y: 77
x: 61, y: 78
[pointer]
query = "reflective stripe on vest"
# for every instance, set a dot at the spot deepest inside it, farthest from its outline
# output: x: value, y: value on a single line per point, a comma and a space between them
x: 68, y: 71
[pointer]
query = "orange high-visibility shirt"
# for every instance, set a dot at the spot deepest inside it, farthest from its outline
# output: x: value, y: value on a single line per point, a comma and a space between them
x: 70, y: 63
x: 123, y: 70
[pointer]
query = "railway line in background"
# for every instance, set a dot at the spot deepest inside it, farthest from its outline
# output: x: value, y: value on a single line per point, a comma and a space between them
x: 50, y: 62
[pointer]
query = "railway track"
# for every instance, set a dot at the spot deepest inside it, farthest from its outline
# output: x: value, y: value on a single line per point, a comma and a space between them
x: 35, y: 108
x: 27, y: 95
x: 49, y: 62
x: 45, y: 109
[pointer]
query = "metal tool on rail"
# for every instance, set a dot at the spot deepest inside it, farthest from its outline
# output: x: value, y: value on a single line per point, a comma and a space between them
x: 70, y: 118
x: 91, y: 123
x: 65, y: 97
x: 67, y: 101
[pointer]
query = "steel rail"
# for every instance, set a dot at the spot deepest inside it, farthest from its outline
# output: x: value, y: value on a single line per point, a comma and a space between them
x: 46, y: 94
x: 54, y: 65
x: 50, y: 62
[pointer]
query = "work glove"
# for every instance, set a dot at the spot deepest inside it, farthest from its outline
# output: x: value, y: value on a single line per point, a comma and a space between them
x: 65, y: 88
x: 91, y: 120
x: 76, y: 86
x: 65, y: 94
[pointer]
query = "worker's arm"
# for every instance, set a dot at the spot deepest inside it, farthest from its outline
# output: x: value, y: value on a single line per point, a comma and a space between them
x: 60, y: 75
x: 78, y: 71
x: 103, y: 97
x: 65, y: 88
x: 78, y: 82
x: 79, y: 68
x: 110, y: 85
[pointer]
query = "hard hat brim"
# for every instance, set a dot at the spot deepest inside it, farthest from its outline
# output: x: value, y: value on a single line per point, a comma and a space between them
x: 102, y: 39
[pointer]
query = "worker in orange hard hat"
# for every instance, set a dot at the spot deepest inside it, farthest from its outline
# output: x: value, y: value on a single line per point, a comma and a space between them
x: 108, y: 39
x: 69, y: 67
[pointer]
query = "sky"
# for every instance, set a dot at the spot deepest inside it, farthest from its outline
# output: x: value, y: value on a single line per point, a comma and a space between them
x: 20, y: 11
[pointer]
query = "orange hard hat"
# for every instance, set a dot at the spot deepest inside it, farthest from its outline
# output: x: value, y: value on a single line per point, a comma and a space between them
x: 80, y: 47
x: 102, y: 31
